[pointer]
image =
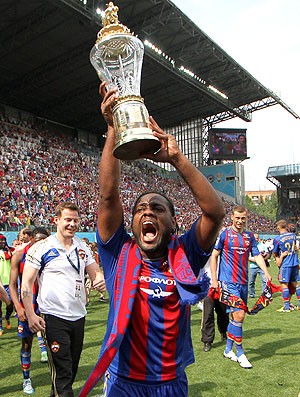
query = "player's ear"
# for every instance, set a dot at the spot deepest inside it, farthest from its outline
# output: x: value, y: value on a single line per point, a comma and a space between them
x: 175, y: 226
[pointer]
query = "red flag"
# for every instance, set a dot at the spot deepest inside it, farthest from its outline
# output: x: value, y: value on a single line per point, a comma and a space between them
x: 233, y: 301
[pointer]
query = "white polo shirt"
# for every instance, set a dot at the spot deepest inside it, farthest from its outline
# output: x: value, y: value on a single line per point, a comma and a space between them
x: 61, y: 280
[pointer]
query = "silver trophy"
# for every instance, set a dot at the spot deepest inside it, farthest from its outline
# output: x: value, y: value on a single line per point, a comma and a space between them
x: 117, y: 57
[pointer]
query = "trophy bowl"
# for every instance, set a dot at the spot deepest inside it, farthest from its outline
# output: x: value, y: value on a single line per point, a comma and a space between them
x: 117, y: 57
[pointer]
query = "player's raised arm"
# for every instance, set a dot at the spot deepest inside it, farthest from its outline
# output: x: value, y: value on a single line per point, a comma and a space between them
x: 110, y: 208
x: 206, y: 197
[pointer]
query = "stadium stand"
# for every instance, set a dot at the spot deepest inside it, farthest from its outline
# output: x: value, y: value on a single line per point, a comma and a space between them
x: 39, y: 168
x: 287, y: 180
x: 46, y: 75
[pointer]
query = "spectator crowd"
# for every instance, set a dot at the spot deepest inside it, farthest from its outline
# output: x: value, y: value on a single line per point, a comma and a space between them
x: 39, y: 169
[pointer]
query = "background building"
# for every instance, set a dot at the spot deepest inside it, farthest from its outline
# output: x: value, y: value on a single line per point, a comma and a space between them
x: 259, y: 196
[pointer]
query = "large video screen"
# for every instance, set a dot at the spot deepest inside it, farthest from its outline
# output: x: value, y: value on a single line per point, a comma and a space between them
x: 227, y: 144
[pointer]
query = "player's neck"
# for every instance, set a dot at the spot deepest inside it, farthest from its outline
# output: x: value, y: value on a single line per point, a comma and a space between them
x: 237, y: 230
x: 66, y: 242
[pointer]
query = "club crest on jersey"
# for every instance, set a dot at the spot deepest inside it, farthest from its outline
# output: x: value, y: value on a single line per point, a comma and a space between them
x: 55, y: 347
x: 82, y: 254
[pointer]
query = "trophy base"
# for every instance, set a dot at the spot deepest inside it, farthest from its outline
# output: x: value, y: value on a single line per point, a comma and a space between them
x: 133, y: 135
x: 134, y: 143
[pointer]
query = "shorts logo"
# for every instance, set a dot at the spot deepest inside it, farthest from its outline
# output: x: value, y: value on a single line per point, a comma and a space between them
x: 55, y: 347
x: 20, y: 329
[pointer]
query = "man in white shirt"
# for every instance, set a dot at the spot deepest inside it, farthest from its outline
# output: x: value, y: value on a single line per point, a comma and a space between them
x: 61, y: 260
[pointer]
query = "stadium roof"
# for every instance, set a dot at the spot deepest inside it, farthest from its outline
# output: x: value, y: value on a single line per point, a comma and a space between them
x: 45, y: 68
x: 286, y: 175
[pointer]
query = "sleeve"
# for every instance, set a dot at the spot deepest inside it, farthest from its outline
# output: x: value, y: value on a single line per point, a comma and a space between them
x: 275, y: 246
x: 197, y: 257
x: 254, y: 248
x: 109, y: 253
x: 220, y: 241
x: 34, y: 256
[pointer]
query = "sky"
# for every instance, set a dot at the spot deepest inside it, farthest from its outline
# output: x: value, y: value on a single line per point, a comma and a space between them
x: 263, y: 36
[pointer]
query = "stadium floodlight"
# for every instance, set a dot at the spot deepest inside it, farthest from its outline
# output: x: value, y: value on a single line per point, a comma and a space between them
x: 192, y: 74
x: 117, y: 57
x: 214, y: 89
x: 159, y: 51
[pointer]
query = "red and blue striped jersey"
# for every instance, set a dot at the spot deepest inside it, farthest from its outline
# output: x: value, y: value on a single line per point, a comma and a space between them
x: 235, y: 249
x: 157, y: 345
x: 150, y: 346
x: 286, y: 242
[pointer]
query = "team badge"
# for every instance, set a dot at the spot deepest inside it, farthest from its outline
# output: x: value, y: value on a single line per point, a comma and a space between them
x: 20, y: 329
x: 82, y: 254
x: 55, y: 347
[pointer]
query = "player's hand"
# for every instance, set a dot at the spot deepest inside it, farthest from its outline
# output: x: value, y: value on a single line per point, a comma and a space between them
x: 99, y: 284
x: 169, y: 148
x: 268, y: 276
x: 108, y: 100
x: 215, y: 284
x: 284, y: 254
x: 36, y: 323
x: 21, y: 313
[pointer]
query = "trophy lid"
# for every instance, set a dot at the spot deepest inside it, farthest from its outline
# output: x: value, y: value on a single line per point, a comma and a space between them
x: 111, y: 24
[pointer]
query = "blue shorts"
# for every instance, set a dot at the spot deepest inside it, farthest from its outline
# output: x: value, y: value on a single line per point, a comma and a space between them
x: 239, y: 290
x: 115, y: 386
x: 287, y: 274
x: 24, y: 330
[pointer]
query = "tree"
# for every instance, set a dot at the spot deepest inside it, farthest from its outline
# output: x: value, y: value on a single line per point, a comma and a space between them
x: 267, y: 208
